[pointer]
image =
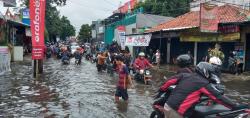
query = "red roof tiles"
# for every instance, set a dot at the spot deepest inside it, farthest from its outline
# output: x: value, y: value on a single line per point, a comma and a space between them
x: 226, y: 14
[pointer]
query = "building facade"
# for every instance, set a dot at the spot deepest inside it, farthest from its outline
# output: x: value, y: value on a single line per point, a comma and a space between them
x: 244, y: 4
x: 97, y: 31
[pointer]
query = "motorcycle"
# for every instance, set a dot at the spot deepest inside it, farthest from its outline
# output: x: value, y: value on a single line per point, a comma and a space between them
x: 88, y: 56
x: 48, y: 54
x: 93, y: 58
x: 77, y: 61
x: 65, y: 62
x: 202, y: 109
x: 59, y: 55
x: 232, y: 65
x: 143, y: 75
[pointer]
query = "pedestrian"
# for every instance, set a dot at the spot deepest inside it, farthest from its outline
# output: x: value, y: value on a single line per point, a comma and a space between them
x: 158, y: 58
x: 100, y: 61
x: 124, y: 79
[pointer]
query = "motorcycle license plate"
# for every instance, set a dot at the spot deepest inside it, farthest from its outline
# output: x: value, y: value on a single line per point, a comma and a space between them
x: 148, y: 76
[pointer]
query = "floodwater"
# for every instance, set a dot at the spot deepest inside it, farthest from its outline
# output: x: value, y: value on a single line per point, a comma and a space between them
x: 80, y: 92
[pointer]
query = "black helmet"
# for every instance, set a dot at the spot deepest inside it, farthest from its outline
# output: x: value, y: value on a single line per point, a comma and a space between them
x: 205, y: 69
x: 184, y: 61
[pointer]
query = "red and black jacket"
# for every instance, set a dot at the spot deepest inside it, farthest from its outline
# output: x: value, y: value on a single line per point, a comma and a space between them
x: 190, y: 87
x: 165, y: 86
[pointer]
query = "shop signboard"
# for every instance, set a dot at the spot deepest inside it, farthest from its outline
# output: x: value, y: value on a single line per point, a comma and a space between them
x: 138, y: 40
x: 185, y: 37
x: 208, y: 18
x: 37, y: 15
x: 121, y: 36
x: 9, y: 3
x: 229, y: 29
x: 5, y: 60
x: 26, y: 16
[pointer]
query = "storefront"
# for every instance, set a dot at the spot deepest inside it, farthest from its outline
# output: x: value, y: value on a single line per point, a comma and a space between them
x: 16, y: 35
x: 161, y: 44
x: 247, y: 58
x: 229, y: 41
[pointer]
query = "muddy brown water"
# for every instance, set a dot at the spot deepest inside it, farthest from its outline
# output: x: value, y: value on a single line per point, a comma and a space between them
x: 80, y: 92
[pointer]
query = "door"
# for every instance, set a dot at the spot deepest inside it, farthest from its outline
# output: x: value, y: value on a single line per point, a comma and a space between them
x: 247, y: 57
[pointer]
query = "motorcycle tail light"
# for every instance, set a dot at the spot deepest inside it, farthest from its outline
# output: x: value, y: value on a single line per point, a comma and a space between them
x: 248, y: 111
x: 141, y: 71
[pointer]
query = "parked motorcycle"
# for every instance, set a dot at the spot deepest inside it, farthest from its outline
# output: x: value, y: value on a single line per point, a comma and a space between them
x: 202, y: 109
x: 232, y: 65
x: 143, y: 75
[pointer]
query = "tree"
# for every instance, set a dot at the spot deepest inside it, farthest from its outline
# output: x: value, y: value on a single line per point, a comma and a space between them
x: 165, y: 7
x: 55, y: 24
x: 66, y: 28
x: 164, y: 10
x: 85, y: 33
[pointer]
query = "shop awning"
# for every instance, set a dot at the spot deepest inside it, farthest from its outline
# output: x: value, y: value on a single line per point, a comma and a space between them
x: 18, y: 24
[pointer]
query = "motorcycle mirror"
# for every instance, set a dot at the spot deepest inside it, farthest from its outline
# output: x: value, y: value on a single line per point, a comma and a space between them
x: 215, y: 79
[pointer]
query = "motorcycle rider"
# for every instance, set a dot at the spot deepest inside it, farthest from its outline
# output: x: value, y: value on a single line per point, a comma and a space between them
x: 78, y: 54
x: 65, y: 54
x: 217, y: 63
x: 189, y: 89
x: 141, y: 63
x: 184, y: 63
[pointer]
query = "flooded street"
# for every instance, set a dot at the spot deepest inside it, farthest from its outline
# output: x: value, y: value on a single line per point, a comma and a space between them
x: 68, y: 91
x: 79, y: 92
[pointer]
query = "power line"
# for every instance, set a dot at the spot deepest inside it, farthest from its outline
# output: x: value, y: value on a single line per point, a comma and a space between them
x: 110, y: 3
x: 100, y: 9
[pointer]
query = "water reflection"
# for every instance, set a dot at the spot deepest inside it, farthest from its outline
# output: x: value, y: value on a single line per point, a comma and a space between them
x: 79, y: 91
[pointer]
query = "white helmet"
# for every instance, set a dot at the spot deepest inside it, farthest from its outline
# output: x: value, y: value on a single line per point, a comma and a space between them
x: 142, y: 54
x: 215, y: 60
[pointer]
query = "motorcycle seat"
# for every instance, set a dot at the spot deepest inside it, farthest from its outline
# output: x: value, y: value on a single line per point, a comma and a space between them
x: 210, y: 110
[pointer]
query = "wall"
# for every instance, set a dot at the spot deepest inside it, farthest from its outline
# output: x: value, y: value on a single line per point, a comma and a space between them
x: 244, y: 31
x: 129, y: 29
x: 195, y: 5
x: 148, y: 20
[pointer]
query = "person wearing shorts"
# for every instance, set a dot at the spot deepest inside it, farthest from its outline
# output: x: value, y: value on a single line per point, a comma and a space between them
x: 124, y: 78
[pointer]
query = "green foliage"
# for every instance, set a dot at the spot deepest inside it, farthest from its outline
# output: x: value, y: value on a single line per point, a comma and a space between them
x: 66, y: 28
x: 165, y: 7
x: 85, y: 33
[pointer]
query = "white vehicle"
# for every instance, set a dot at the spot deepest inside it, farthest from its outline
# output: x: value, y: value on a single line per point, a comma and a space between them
x: 73, y: 49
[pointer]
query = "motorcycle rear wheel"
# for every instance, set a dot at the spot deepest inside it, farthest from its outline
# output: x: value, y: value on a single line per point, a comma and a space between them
x: 155, y: 114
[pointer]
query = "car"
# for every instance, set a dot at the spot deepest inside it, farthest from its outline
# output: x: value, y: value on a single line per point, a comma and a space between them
x: 73, y: 49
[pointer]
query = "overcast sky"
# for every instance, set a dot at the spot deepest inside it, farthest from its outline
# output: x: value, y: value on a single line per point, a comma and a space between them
x: 85, y: 11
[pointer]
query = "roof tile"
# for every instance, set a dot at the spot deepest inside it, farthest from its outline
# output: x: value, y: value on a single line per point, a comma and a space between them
x: 226, y: 14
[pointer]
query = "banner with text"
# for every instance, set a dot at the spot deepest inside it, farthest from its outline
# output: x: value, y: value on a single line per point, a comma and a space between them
x: 121, y: 30
x: 5, y: 60
x: 138, y: 40
x: 9, y: 3
x: 208, y: 18
x: 37, y: 15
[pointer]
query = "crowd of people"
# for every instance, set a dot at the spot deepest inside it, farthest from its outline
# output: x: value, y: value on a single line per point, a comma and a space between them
x: 191, y: 82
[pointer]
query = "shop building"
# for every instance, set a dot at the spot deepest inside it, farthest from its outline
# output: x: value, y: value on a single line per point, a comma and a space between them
x: 183, y: 34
